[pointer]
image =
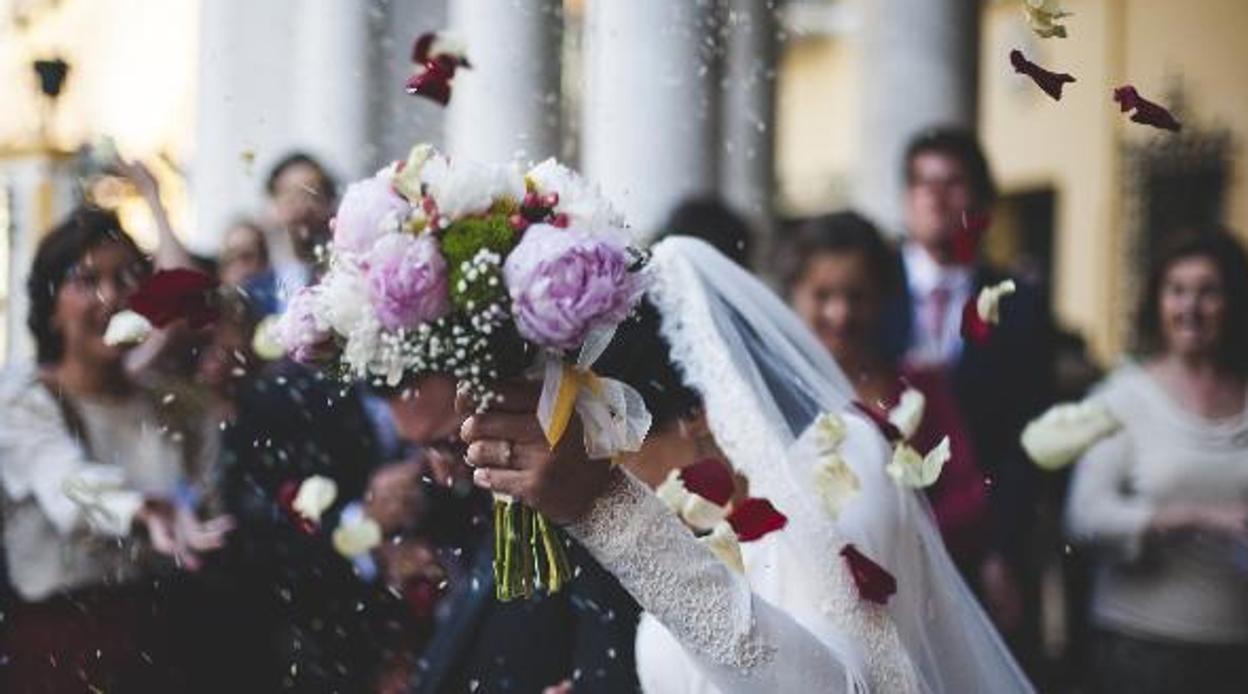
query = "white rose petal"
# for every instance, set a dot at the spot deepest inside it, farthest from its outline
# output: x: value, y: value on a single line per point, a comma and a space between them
x: 724, y: 545
x: 315, y: 495
x: 264, y: 341
x: 835, y: 483
x: 1065, y: 431
x: 357, y: 536
x: 829, y: 431
x: 908, y: 413
x: 910, y: 469
x: 988, y: 303
x: 700, y: 513
x: 127, y: 328
x: 672, y: 492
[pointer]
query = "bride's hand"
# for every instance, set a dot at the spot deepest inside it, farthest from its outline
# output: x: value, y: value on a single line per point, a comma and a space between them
x: 507, y: 447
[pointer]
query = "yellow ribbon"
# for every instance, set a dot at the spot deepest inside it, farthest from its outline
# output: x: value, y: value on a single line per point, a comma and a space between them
x: 571, y: 381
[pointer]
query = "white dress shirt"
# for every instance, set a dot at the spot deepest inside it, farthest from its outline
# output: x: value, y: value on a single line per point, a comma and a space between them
x: 936, y: 340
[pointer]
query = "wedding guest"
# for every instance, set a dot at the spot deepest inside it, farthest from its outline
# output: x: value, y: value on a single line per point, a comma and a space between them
x: 839, y: 273
x: 1163, y: 502
x: 712, y: 220
x: 244, y: 254
x: 583, y: 633
x: 998, y: 385
x: 302, y: 198
x: 97, y: 473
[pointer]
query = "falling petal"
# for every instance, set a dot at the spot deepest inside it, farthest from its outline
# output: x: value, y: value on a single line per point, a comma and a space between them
x: 753, y: 518
x: 710, y: 479
x: 967, y: 238
x: 723, y: 543
x: 127, y: 328
x: 907, y: 415
x: 873, y: 582
x: 1065, y: 431
x: 835, y: 483
x: 170, y: 295
x: 909, y: 469
x: 1146, y: 112
x: 316, y: 494
x: 1050, y: 82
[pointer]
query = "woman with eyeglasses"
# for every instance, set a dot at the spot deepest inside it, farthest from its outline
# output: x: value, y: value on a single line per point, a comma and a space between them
x: 96, y: 474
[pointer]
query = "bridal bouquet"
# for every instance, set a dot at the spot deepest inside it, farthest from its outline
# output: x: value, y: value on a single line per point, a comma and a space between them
x: 482, y: 272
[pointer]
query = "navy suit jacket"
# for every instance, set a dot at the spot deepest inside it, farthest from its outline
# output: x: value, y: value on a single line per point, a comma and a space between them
x: 999, y: 386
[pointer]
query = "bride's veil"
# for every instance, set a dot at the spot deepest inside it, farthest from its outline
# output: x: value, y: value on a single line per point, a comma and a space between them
x: 764, y: 379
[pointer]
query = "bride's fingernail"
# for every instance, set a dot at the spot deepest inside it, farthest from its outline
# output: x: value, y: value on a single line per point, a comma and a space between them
x: 481, y: 478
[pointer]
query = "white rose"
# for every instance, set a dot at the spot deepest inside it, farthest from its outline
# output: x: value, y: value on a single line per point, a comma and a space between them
x: 1065, y: 431
x: 910, y: 469
x: 315, y: 495
x: 127, y: 328
x: 724, y: 545
x: 908, y: 413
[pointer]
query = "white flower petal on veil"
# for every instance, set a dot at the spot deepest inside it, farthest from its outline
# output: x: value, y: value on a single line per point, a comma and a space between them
x: 723, y: 543
x: 911, y: 469
x: 835, y: 483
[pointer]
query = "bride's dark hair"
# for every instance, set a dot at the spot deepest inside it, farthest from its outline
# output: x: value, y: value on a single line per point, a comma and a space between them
x: 640, y: 357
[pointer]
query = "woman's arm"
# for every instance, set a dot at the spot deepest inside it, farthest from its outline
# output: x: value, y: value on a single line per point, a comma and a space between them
x: 169, y: 253
x: 1098, y: 509
x: 741, y: 642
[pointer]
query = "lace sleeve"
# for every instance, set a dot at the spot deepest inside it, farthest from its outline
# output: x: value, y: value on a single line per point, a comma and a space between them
x: 742, y: 643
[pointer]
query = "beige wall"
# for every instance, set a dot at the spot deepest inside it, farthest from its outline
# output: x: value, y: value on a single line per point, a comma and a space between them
x: 1073, y: 145
x: 816, y: 124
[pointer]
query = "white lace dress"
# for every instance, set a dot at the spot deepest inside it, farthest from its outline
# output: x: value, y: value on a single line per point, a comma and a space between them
x: 778, y: 628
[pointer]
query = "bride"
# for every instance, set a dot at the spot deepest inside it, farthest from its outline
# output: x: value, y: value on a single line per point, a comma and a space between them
x: 729, y: 373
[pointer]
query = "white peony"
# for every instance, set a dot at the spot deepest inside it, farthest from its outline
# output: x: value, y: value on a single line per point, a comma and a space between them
x: 462, y: 187
x: 908, y: 414
x: 314, y: 497
x: 724, y: 545
x: 580, y: 200
x: 343, y: 301
x: 910, y: 469
x: 1065, y: 431
x: 127, y: 328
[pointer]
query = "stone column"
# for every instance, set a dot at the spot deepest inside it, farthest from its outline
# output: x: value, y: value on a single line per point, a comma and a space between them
x: 650, y: 122
x: 506, y: 106
x: 747, y: 167
x: 918, y: 62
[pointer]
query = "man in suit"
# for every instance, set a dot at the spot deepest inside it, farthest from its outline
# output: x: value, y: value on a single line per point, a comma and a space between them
x: 998, y: 385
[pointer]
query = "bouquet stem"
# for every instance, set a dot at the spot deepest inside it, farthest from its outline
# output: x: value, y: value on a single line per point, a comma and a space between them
x: 528, y: 552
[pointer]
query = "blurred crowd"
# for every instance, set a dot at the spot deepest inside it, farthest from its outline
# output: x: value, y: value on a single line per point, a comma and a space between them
x: 149, y: 543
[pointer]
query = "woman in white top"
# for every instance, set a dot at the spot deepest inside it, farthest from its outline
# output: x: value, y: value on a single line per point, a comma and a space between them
x: 730, y: 373
x: 90, y: 467
x: 1164, y: 500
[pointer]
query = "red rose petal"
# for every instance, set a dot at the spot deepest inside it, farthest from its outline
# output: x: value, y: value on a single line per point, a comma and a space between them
x: 874, y: 583
x: 1146, y: 112
x: 433, y: 81
x: 169, y: 295
x: 1050, y: 82
x: 421, y: 595
x: 890, y: 431
x: 709, y: 479
x: 974, y: 328
x: 968, y: 237
x: 286, y: 494
x: 753, y: 518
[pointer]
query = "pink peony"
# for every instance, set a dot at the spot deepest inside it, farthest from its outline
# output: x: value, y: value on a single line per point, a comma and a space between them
x: 298, y: 331
x: 407, y: 281
x: 566, y: 282
x: 369, y: 209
